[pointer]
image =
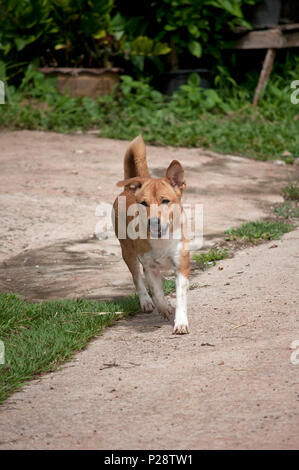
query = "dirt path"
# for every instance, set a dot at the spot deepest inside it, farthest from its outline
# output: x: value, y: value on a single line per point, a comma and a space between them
x: 51, y: 185
x: 229, y: 384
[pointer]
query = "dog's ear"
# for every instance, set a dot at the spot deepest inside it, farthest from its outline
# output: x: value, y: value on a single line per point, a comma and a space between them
x: 132, y: 183
x: 175, y: 175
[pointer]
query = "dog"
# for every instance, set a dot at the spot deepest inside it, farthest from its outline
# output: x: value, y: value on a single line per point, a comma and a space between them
x: 164, y: 244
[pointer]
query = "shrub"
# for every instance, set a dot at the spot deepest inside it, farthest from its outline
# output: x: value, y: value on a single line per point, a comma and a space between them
x: 192, y: 28
x: 92, y: 33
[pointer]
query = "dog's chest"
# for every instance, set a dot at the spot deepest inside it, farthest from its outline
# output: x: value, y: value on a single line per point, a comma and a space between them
x: 164, y: 254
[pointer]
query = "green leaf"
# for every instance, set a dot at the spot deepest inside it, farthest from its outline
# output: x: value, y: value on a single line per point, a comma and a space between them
x: 142, y: 46
x: 58, y: 47
x: 7, y: 48
x: 195, y: 48
x: 212, y: 98
x: 168, y: 27
x: 161, y: 48
x: 2, y: 71
x: 194, y: 30
x: 20, y: 43
x: 194, y: 79
x: 100, y: 34
x: 138, y: 61
x: 231, y: 7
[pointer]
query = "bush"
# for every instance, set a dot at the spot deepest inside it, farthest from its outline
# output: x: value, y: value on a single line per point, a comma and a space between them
x: 59, y: 32
x: 95, y: 33
x: 192, y: 28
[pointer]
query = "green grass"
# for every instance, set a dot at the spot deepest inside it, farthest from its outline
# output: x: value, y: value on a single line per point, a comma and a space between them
x: 210, y: 257
x: 168, y: 286
x: 287, y: 210
x: 39, y: 337
x: 223, y: 120
x: 253, y: 231
x: 291, y: 191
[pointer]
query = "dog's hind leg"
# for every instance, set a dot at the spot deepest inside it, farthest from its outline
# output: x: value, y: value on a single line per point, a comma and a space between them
x: 130, y: 258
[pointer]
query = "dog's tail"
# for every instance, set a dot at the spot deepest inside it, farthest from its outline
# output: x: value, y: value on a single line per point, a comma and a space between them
x: 135, y: 159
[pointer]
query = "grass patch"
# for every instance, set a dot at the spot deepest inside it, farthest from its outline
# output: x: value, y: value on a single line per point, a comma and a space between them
x: 168, y: 286
x: 291, y: 191
x: 254, y: 231
x: 210, y: 257
x: 287, y: 210
x: 39, y: 337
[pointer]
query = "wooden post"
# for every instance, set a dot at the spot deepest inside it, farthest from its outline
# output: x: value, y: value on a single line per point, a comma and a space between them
x: 265, y: 74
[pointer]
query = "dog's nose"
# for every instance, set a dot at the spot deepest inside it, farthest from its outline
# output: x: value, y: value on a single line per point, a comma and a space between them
x: 154, y: 223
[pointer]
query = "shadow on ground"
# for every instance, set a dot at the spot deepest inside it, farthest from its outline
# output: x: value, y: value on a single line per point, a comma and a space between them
x: 68, y: 269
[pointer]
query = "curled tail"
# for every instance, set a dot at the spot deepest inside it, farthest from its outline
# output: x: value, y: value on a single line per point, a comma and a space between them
x: 135, y: 159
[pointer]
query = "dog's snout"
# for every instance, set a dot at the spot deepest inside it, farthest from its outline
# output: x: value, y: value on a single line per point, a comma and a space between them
x: 154, y: 223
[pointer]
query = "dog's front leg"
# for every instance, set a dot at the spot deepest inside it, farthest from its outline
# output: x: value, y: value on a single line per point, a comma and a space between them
x: 181, y: 325
x: 154, y: 281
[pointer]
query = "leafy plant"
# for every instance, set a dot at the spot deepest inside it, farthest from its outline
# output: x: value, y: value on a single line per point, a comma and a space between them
x: 291, y: 191
x: 228, y: 124
x: 191, y: 97
x: 67, y: 33
x: 192, y: 27
x: 287, y: 210
x: 58, y: 32
x: 210, y: 257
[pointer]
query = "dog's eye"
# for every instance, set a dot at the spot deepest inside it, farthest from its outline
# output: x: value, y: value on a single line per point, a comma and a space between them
x: 165, y: 201
x: 144, y: 203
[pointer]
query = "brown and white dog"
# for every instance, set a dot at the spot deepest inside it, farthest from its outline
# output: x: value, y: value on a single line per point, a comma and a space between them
x: 164, y: 245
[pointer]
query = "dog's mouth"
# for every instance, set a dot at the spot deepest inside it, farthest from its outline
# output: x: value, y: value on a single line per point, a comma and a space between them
x: 158, y: 232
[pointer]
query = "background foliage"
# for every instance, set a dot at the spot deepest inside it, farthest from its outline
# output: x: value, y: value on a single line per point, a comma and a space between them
x: 222, y: 119
x: 143, y: 39
x: 191, y: 28
x: 95, y: 33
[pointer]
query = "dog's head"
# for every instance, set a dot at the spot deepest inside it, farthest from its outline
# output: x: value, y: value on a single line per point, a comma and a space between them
x: 161, y: 198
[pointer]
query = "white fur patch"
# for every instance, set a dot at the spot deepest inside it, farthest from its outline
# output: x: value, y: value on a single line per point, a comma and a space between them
x: 181, y: 320
x: 166, y: 254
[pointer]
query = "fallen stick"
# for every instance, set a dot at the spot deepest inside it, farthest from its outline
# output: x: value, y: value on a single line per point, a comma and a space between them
x: 104, y: 313
x: 243, y: 324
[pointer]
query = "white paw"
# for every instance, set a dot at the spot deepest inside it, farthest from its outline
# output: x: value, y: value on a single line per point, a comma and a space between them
x: 147, y: 304
x: 166, y: 310
x: 180, y: 329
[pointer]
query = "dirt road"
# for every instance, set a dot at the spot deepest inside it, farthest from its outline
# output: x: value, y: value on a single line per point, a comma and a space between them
x: 52, y: 184
x: 229, y: 384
